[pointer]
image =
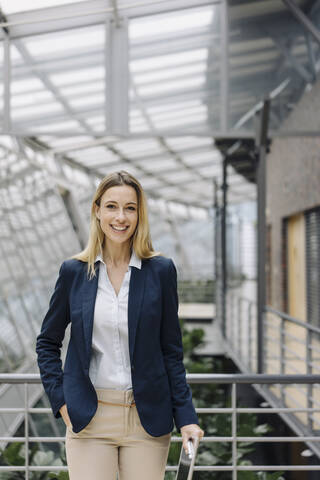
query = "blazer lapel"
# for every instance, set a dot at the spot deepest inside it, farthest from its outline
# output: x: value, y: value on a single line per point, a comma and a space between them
x: 89, y: 293
x: 136, y: 291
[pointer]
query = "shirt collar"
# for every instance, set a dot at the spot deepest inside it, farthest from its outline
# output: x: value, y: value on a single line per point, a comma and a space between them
x: 134, y: 260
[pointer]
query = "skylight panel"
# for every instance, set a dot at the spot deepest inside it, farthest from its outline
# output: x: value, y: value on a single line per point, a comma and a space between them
x: 174, y: 106
x: 193, y: 159
x: 172, y: 22
x: 169, y: 74
x: 71, y: 77
x: 180, y: 122
x: 92, y: 87
x: 138, y: 128
x: 170, y: 60
x: 163, y: 87
x: 96, y: 120
x: 59, y: 126
x: 180, y: 112
x: 87, y: 101
x: 150, y: 183
x: 144, y: 150
x: 31, y: 98
x: 210, y: 170
x: 25, y: 85
x: 177, y: 143
x: 27, y: 113
x: 14, y: 6
x: 78, y: 39
x: 159, y: 165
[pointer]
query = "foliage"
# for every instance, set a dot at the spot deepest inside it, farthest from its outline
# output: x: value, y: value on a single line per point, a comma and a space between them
x: 14, y: 455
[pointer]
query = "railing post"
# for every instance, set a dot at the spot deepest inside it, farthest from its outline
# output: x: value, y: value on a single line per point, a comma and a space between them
x: 309, y: 372
x: 234, y: 430
x: 261, y: 145
x: 250, y: 361
x: 282, y: 355
x: 224, y: 188
x: 230, y: 332
x: 26, y: 430
x: 239, y: 326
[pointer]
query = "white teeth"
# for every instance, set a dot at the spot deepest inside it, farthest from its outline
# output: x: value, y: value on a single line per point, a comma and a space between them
x: 119, y: 229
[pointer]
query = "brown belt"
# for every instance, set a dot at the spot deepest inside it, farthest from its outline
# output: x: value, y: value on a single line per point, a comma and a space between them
x: 118, y: 404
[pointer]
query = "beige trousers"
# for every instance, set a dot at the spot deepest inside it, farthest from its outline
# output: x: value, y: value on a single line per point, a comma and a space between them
x: 115, y: 442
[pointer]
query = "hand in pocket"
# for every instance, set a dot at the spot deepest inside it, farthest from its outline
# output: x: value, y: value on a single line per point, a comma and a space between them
x: 64, y: 414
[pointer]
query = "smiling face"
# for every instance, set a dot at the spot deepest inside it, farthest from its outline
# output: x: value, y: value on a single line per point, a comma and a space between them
x: 118, y: 213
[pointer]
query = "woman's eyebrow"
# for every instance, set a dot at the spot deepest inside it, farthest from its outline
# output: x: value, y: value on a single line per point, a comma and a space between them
x: 113, y: 201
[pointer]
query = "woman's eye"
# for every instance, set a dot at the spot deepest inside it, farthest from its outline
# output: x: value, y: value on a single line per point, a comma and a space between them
x: 132, y: 208
x: 110, y: 206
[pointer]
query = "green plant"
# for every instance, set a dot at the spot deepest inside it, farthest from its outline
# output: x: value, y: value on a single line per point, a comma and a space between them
x: 14, y: 455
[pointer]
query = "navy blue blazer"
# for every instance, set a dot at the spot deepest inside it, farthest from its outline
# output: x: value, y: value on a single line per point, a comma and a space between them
x: 158, y: 375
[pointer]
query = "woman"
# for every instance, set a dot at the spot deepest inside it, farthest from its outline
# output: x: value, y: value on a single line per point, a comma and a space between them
x: 123, y: 380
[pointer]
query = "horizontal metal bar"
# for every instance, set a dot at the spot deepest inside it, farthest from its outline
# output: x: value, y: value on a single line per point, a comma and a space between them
x: 199, y: 410
x: 287, y: 317
x: 164, y: 133
x: 202, y: 468
x: 194, y: 378
x: 33, y: 439
x: 256, y: 468
x: 257, y: 410
x: 212, y: 439
x: 22, y: 410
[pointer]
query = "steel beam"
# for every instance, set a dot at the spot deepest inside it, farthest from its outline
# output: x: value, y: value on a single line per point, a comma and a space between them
x: 224, y: 59
x: 224, y: 272
x: 261, y: 144
x: 117, y: 77
x: 7, y: 84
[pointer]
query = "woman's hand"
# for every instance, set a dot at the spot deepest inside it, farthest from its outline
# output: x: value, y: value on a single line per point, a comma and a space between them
x: 64, y: 414
x: 190, y: 431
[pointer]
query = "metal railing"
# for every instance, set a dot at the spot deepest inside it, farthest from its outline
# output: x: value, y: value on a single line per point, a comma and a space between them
x: 290, y: 346
x: 258, y: 381
x: 241, y: 331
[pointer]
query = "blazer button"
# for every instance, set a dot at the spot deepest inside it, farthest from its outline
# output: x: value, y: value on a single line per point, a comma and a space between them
x: 132, y: 367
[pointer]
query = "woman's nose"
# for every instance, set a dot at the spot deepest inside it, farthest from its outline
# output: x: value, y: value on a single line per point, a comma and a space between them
x: 121, y: 214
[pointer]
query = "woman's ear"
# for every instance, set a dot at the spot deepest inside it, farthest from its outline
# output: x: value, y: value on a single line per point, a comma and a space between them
x: 97, y: 212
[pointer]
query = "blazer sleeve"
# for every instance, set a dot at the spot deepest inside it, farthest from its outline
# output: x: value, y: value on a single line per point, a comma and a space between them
x: 49, y: 342
x: 171, y: 344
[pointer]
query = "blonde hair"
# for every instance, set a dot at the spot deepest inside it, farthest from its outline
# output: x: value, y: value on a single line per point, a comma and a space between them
x: 140, y: 240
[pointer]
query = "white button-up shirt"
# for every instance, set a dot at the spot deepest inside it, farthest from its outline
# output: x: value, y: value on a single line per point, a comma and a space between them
x: 110, y: 360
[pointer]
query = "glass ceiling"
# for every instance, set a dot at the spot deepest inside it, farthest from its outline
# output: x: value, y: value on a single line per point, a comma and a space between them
x: 149, y: 86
